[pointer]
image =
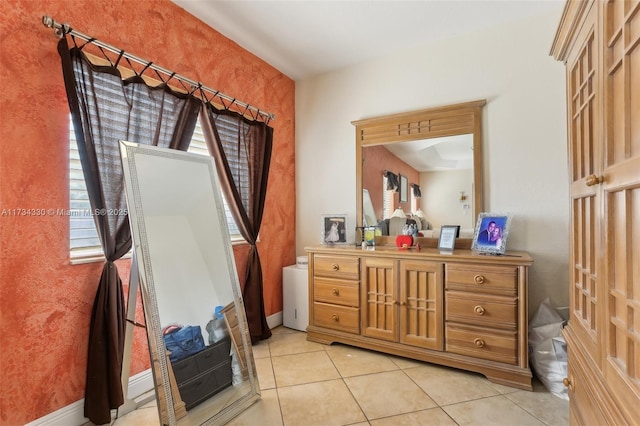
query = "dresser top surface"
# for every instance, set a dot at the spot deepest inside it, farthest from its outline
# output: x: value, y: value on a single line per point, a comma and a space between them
x: 458, y: 255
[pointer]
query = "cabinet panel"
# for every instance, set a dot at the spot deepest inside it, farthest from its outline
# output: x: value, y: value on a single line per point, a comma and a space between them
x: 421, y: 321
x: 580, y: 396
x: 603, y: 95
x: 585, y: 160
x: 483, y: 310
x: 494, y: 345
x: 621, y: 196
x: 379, y: 298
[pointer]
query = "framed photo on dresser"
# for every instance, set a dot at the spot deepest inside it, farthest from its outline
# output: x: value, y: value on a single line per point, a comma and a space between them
x: 334, y: 229
x: 448, y: 235
x: 491, y: 233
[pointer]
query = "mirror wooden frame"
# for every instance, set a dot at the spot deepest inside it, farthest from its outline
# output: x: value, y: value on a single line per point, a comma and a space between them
x: 449, y: 120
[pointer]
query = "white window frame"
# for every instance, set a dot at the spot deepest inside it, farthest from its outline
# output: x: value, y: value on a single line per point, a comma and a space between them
x: 415, y: 201
x: 79, y: 207
x: 387, y: 200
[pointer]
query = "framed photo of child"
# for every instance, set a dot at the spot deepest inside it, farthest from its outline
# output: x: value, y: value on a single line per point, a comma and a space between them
x: 334, y: 229
x: 491, y: 233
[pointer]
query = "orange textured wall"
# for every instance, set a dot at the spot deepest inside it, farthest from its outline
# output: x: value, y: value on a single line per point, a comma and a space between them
x: 45, y: 303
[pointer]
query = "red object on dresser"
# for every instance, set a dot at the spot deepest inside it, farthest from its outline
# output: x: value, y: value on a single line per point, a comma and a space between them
x: 404, y: 241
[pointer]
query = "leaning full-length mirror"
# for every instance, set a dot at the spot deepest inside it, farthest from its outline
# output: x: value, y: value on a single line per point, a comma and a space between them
x: 201, y: 354
x: 437, y: 152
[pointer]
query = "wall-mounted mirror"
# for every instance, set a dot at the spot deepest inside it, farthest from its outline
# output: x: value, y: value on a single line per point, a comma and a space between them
x: 199, y: 342
x: 438, y: 151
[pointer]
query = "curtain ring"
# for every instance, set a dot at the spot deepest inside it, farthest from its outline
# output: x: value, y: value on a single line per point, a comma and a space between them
x: 145, y: 68
x: 119, y: 58
x: 91, y: 40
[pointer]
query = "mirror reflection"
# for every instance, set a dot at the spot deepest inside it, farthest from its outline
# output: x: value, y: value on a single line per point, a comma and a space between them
x: 421, y: 170
x: 198, y: 337
x: 440, y: 168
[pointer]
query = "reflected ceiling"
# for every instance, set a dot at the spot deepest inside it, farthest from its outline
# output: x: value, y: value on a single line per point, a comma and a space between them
x: 436, y: 154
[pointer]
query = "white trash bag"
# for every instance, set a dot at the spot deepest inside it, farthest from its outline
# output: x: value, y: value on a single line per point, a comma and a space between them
x: 548, y: 350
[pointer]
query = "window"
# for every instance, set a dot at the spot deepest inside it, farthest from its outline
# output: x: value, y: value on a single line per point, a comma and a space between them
x: 387, y: 199
x: 415, y: 201
x: 83, y: 236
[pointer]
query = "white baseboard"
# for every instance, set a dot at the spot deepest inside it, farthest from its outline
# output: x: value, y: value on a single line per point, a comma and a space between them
x: 141, y: 383
x: 274, y: 320
x: 73, y: 414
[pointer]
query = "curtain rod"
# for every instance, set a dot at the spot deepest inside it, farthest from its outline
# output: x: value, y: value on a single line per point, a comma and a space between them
x: 61, y: 30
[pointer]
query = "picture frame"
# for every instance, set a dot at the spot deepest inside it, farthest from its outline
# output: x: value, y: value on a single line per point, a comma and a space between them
x: 491, y: 233
x: 334, y: 229
x: 448, y: 235
x: 404, y: 189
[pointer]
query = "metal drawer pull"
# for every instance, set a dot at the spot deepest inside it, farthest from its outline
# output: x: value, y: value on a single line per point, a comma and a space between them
x: 479, y: 279
x: 335, y: 292
x: 479, y: 342
x: 479, y: 310
x: 335, y: 317
x: 335, y: 266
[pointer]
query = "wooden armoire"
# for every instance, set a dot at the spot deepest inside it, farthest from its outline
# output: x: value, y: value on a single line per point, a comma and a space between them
x: 599, y: 42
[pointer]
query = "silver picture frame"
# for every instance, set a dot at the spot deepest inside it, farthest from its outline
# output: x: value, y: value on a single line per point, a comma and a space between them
x: 491, y: 233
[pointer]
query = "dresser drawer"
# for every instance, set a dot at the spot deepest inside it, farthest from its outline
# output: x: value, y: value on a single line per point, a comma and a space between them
x: 493, y: 345
x: 334, y: 291
x: 481, y: 309
x: 337, y: 317
x: 343, y: 267
x: 485, y: 279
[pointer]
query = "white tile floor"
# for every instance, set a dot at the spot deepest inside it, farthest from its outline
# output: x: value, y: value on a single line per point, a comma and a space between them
x: 305, y: 383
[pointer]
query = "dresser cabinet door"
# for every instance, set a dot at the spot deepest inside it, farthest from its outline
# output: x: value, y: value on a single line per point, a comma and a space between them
x: 621, y: 195
x: 379, y: 293
x: 583, y: 74
x: 421, y: 315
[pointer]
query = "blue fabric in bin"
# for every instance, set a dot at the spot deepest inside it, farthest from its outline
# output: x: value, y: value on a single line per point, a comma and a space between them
x: 184, y: 342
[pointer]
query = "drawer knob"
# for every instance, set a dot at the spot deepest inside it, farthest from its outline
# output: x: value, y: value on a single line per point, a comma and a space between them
x: 335, y: 292
x: 335, y: 317
x: 479, y: 310
x: 594, y: 180
x: 479, y: 342
x: 568, y: 383
x: 335, y: 266
x: 479, y: 279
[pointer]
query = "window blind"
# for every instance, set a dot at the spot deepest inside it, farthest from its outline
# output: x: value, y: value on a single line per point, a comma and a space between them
x: 83, y: 236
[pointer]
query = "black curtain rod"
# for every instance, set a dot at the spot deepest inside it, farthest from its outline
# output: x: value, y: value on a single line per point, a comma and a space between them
x: 63, y: 29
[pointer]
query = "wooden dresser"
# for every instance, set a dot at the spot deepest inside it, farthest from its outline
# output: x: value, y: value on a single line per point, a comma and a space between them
x: 599, y: 42
x: 463, y: 310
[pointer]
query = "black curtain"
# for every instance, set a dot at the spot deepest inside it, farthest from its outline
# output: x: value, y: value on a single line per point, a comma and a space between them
x: 241, y: 149
x: 106, y: 109
x: 393, y: 181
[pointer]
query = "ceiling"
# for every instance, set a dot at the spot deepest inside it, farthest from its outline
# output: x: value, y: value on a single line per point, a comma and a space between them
x: 304, y: 38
